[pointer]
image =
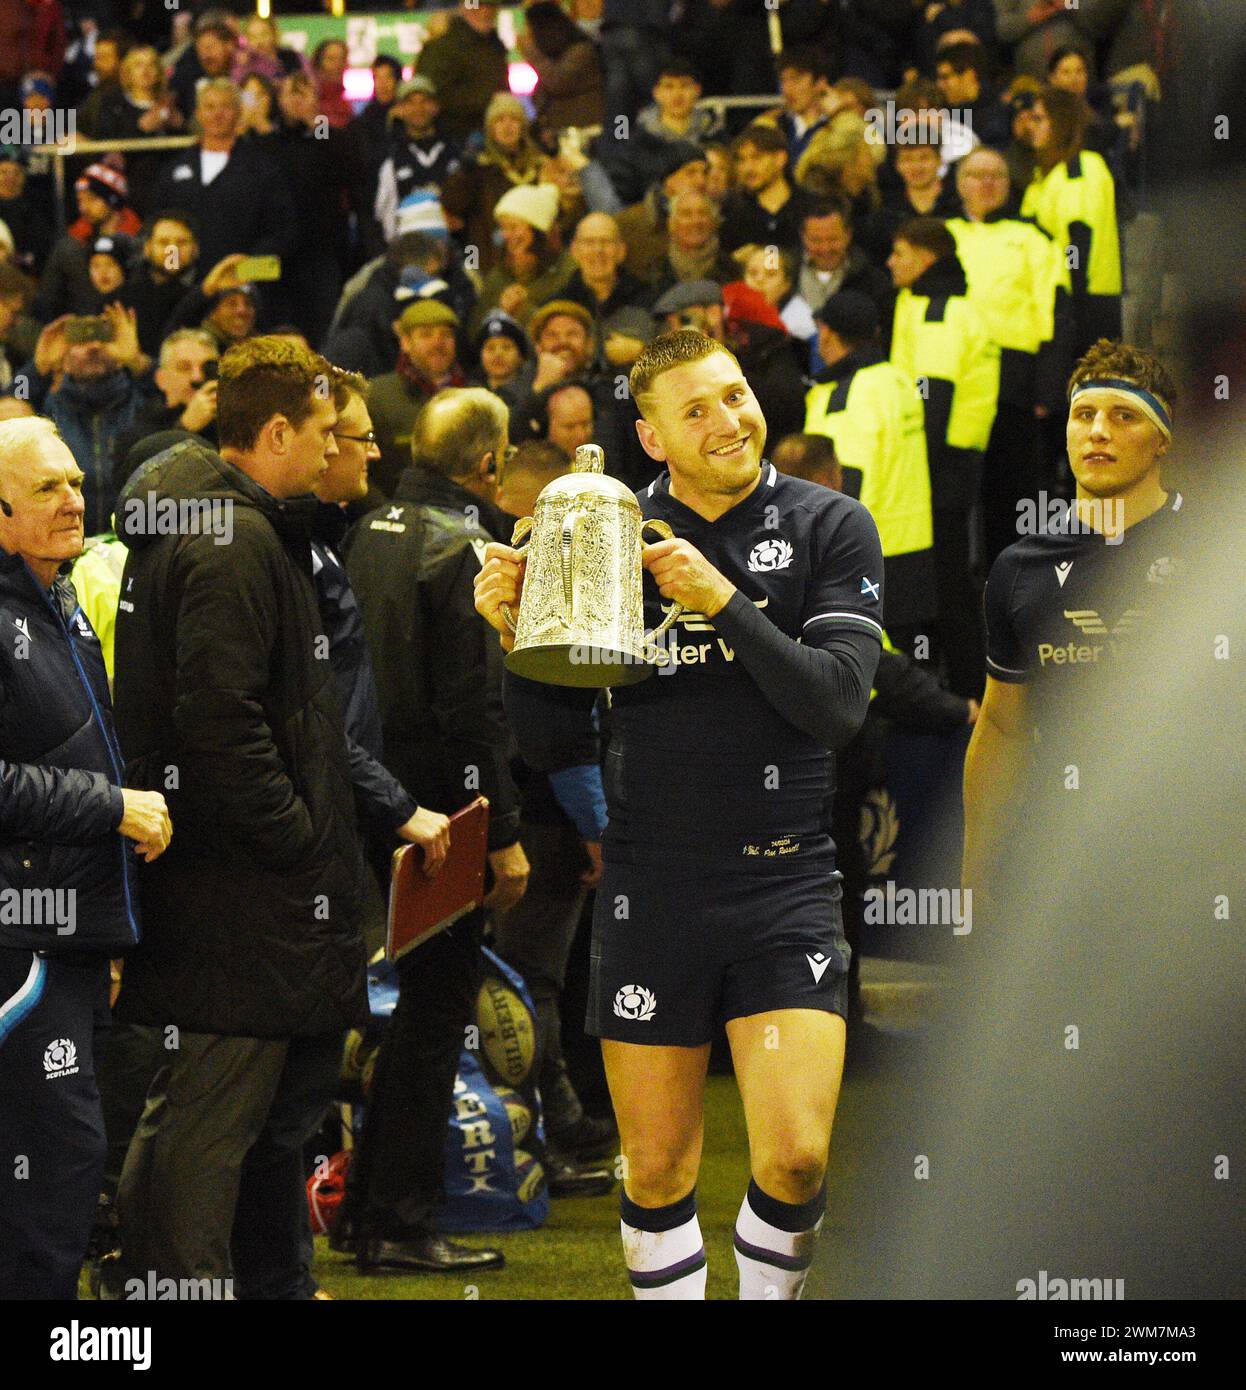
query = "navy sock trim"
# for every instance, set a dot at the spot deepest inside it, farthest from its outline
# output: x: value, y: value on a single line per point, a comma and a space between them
x: 658, y: 1219
x: 792, y: 1263
x: 660, y: 1278
x: 787, y: 1216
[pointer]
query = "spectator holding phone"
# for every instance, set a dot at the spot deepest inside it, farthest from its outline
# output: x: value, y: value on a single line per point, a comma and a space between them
x: 226, y: 305
x: 163, y: 276
x: 186, y: 379
x: 86, y: 377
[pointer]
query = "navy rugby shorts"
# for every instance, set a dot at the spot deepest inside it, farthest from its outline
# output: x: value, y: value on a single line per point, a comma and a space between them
x: 681, y: 945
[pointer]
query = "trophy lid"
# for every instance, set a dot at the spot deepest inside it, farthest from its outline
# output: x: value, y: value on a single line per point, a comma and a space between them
x: 587, y: 476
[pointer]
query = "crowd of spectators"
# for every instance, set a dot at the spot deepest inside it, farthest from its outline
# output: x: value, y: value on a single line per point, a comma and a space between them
x: 907, y: 244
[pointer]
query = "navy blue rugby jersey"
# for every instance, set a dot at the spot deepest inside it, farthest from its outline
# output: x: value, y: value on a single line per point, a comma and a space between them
x: 1061, y: 604
x: 1066, y: 615
x: 698, y: 755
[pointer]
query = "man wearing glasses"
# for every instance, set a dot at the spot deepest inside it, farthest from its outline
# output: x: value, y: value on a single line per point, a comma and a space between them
x: 1019, y: 283
x: 384, y: 806
x: 438, y: 700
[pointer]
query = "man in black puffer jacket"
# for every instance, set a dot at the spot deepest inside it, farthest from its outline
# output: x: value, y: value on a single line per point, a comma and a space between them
x: 254, y: 964
x: 66, y: 876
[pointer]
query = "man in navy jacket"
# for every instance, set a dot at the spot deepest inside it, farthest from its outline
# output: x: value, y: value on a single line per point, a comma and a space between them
x: 67, y: 901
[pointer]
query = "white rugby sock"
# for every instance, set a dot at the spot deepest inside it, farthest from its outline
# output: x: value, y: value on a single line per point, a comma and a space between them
x: 663, y: 1248
x: 774, y: 1243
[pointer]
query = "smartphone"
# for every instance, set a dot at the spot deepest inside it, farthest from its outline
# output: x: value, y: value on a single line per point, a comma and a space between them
x: 211, y: 369
x: 89, y: 330
x: 252, y: 268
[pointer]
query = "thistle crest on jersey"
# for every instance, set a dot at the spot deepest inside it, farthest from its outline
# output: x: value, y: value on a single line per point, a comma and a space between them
x: 774, y: 553
x: 635, y: 1002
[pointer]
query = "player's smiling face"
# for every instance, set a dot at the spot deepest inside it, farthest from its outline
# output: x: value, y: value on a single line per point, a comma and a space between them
x: 704, y: 423
x: 1112, y: 445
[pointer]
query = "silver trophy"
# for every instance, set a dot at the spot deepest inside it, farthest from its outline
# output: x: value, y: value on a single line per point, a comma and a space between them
x: 581, y: 615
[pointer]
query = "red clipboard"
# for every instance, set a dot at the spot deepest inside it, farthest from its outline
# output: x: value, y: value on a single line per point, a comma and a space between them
x: 420, y: 907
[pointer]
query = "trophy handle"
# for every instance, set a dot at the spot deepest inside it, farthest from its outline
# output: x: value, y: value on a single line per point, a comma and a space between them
x: 663, y: 529
x: 522, y: 528
x: 567, y: 553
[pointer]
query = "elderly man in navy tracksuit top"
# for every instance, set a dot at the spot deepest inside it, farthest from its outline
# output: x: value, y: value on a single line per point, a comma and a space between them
x: 67, y: 900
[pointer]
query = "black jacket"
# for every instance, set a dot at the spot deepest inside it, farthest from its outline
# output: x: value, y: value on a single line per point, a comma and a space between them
x: 877, y: 236
x: 226, y: 701
x: 65, y: 286
x: 438, y: 663
x: 629, y: 292
x: 319, y: 172
x: 60, y: 774
x: 380, y: 800
x: 153, y: 302
x: 247, y: 206
x: 745, y: 221
x: 32, y: 230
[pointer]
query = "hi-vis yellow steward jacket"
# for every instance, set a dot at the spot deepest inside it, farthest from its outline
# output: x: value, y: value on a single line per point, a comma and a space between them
x: 872, y: 414
x: 1018, y: 281
x: 1075, y: 204
x: 940, y: 343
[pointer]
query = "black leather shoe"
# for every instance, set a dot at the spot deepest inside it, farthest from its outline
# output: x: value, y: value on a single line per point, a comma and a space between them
x: 587, y: 1139
x: 342, y: 1235
x: 431, y: 1254
x: 566, y: 1179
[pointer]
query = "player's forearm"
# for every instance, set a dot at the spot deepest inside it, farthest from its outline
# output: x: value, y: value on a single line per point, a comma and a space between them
x: 908, y: 694
x: 824, y: 691
x: 553, y: 725
x: 994, y: 764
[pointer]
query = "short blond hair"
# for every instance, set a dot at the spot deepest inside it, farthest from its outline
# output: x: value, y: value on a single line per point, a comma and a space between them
x: 666, y: 351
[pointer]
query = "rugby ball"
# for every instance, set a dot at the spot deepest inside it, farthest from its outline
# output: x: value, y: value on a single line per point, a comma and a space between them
x: 517, y: 1112
x: 507, y: 1033
x: 529, y: 1176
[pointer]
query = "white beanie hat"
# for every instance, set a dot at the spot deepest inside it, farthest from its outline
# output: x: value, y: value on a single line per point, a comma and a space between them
x: 536, y: 204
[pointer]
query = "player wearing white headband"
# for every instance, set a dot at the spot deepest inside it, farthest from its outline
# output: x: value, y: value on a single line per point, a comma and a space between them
x: 1065, y: 598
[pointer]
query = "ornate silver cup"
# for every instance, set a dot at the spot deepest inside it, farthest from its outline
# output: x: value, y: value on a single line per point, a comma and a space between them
x: 581, y: 614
